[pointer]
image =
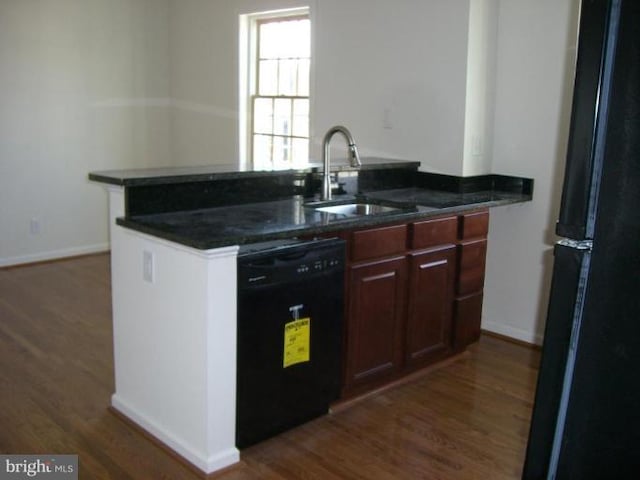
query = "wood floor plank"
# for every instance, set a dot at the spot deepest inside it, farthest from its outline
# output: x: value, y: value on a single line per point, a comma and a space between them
x: 467, y: 420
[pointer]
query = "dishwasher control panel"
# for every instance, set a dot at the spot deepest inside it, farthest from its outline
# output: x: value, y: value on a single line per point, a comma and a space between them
x: 319, y: 265
x: 302, y: 259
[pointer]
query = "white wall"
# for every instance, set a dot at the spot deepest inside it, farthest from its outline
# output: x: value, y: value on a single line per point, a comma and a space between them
x: 534, y: 81
x: 405, y: 56
x: 83, y: 87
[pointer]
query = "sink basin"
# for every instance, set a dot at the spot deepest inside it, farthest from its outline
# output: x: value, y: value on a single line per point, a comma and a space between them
x: 355, y: 209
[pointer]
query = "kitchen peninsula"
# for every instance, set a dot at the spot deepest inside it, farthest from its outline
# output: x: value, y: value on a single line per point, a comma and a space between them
x: 175, y: 235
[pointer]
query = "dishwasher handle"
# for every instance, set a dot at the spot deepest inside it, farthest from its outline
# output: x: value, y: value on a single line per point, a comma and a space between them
x: 275, y: 260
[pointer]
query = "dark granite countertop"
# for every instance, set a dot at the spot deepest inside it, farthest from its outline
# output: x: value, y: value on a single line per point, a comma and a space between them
x: 216, y: 206
x: 248, y: 223
x: 173, y: 175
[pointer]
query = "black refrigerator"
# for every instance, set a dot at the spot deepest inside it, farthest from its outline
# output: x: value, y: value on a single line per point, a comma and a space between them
x: 586, y: 416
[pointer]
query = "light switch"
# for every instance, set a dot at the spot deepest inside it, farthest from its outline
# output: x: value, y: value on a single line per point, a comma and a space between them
x: 387, y: 122
x: 147, y: 266
x: 476, y: 145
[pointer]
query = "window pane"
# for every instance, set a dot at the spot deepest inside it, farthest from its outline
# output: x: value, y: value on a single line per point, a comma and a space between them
x: 288, y: 47
x: 288, y: 78
x: 301, y: 118
x: 263, y: 115
x: 281, y: 151
x: 285, y: 39
x: 262, y: 151
x: 301, y: 29
x: 300, y: 152
x: 268, y: 77
x: 303, y: 78
x: 269, y: 44
x: 285, y: 77
x: 282, y: 116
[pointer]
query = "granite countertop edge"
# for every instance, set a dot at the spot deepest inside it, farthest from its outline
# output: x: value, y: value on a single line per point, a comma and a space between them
x: 172, y: 175
x: 148, y: 224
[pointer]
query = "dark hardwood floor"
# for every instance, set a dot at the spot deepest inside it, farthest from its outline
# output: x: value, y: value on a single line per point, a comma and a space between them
x: 468, y: 420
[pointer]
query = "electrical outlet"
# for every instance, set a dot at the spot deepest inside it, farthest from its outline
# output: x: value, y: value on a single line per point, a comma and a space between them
x: 34, y: 226
x: 148, y: 266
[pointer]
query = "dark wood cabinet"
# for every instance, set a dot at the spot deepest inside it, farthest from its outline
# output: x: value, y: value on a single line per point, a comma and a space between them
x: 468, y: 312
x: 431, y: 233
x: 472, y: 265
x: 378, y: 242
x: 376, y: 308
x: 472, y: 252
x: 413, y: 296
x: 474, y: 225
x: 429, y: 317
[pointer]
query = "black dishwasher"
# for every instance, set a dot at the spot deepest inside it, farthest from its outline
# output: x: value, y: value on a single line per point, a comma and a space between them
x: 290, y: 309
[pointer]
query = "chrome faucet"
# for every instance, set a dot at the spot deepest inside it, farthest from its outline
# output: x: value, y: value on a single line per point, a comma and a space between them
x: 354, y: 157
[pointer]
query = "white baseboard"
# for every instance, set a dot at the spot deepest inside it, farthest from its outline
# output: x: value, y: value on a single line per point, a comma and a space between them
x: 217, y: 461
x: 53, y: 254
x: 508, y: 331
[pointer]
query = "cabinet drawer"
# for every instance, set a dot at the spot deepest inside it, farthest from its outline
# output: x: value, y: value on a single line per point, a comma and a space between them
x: 378, y: 242
x: 471, y: 266
x: 474, y: 225
x: 431, y: 233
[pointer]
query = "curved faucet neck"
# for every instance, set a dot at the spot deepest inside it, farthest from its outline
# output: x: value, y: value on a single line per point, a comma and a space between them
x: 354, y: 157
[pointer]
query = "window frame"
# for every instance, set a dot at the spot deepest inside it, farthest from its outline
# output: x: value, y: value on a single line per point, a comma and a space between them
x: 253, y: 94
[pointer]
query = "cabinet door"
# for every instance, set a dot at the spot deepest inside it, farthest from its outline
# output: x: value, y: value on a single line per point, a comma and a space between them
x: 430, y: 317
x: 374, y: 330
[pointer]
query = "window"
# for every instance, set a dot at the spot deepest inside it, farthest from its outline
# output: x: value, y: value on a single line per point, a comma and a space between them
x: 278, y: 120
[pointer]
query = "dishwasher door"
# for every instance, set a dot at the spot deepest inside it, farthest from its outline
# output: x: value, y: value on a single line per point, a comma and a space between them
x: 290, y: 309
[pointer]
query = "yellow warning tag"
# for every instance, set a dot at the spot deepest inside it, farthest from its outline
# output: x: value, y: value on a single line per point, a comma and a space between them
x: 296, y: 342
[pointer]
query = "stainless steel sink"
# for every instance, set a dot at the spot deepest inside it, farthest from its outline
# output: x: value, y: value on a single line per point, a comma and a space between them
x: 356, y: 209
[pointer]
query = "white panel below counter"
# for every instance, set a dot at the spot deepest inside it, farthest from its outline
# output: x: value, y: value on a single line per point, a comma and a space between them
x: 174, y: 328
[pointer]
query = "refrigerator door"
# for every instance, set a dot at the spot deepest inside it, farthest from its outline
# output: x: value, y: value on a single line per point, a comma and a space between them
x: 596, y: 45
x: 601, y: 436
x: 567, y: 292
x: 594, y: 408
